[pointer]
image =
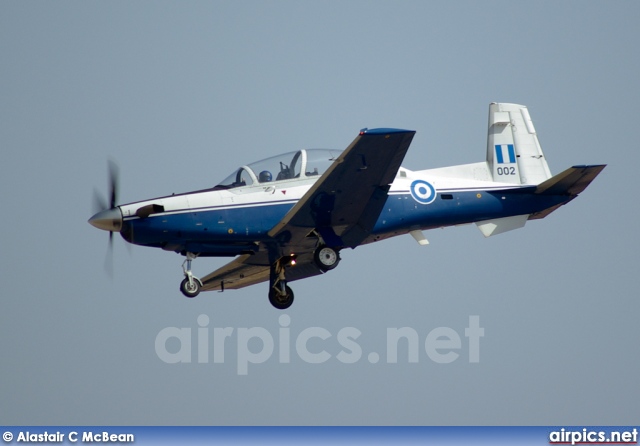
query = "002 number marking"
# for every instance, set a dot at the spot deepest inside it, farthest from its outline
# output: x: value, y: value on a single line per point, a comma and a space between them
x: 506, y: 170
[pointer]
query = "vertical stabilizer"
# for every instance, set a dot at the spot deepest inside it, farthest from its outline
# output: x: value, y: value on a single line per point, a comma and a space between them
x: 514, y: 154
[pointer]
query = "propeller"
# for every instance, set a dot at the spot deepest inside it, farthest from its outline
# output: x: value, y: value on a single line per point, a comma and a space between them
x: 107, y: 215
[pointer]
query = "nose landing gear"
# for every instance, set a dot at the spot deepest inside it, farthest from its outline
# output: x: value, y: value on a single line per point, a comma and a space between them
x: 191, y: 285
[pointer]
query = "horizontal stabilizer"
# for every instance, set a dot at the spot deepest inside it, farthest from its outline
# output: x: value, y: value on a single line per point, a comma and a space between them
x: 570, y: 182
x: 500, y: 225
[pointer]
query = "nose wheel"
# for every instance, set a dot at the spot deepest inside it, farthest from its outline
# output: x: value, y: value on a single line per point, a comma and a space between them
x: 191, y: 285
x: 190, y: 289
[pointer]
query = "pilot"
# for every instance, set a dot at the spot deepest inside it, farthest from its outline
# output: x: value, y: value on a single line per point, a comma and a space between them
x: 265, y: 176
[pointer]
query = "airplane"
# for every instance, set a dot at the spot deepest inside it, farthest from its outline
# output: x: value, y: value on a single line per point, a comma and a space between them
x: 288, y: 217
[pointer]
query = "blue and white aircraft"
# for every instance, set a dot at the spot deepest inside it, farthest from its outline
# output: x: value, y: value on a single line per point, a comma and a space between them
x: 288, y: 217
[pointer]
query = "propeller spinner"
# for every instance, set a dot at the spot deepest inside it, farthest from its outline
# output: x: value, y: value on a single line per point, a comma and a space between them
x: 108, y: 217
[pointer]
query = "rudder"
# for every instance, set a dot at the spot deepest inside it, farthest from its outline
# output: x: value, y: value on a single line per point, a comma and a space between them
x: 514, y: 154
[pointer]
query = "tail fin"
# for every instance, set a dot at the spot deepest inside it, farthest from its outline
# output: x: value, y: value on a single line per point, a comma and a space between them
x: 514, y: 154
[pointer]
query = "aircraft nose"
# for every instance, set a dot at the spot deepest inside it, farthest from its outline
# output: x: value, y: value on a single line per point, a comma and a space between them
x: 108, y: 220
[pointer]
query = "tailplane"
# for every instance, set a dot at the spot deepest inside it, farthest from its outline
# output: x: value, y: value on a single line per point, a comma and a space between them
x: 571, y: 182
x: 514, y: 154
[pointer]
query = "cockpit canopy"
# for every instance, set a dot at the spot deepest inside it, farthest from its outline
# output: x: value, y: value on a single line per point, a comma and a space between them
x: 306, y: 163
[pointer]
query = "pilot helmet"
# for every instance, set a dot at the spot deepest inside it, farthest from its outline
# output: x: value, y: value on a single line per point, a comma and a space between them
x: 265, y: 176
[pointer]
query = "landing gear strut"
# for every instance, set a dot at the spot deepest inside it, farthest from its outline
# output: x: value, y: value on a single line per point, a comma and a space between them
x: 190, y: 286
x: 280, y: 294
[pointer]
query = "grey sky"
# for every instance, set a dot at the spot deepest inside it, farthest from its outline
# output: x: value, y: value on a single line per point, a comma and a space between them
x: 182, y: 93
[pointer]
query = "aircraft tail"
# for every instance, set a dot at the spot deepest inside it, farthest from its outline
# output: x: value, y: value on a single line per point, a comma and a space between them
x: 514, y: 154
x: 570, y: 182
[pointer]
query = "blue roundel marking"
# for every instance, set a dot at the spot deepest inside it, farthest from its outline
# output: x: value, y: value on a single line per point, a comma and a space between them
x: 423, y: 192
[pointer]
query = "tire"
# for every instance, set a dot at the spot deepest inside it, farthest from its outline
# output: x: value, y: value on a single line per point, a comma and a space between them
x: 281, y: 302
x: 326, y: 258
x: 190, y: 291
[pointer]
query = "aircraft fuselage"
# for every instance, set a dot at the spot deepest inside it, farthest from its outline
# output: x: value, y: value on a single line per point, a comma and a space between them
x: 224, y: 223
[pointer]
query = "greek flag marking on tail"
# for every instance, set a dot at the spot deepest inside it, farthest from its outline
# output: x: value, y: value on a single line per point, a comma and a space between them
x: 500, y: 152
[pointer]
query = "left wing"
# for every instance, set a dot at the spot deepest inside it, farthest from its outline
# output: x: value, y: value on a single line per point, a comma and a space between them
x: 342, y: 207
x: 249, y: 269
x: 344, y: 204
x: 242, y: 271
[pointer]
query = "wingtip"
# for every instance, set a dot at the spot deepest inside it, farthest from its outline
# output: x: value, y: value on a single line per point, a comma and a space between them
x: 384, y: 131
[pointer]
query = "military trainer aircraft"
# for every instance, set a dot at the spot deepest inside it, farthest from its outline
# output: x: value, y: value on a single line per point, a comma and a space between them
x: 288, y: 217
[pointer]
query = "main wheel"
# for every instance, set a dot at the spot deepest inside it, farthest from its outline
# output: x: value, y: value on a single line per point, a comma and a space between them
x: 190, y: 290
x: 278, y: 300
x: 326, y: 258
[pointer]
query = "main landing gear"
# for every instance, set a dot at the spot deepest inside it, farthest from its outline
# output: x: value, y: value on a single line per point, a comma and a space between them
x: 326, y: 258
x: 191, y: 285
x: 280, y: 294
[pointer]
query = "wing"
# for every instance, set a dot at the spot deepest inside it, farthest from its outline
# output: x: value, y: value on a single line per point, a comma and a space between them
x: 249, y: 269
x: 242, y: 271
x: 342, y: 206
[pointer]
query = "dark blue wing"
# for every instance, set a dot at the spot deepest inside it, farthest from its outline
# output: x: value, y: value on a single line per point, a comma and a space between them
x: 344, y: 204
